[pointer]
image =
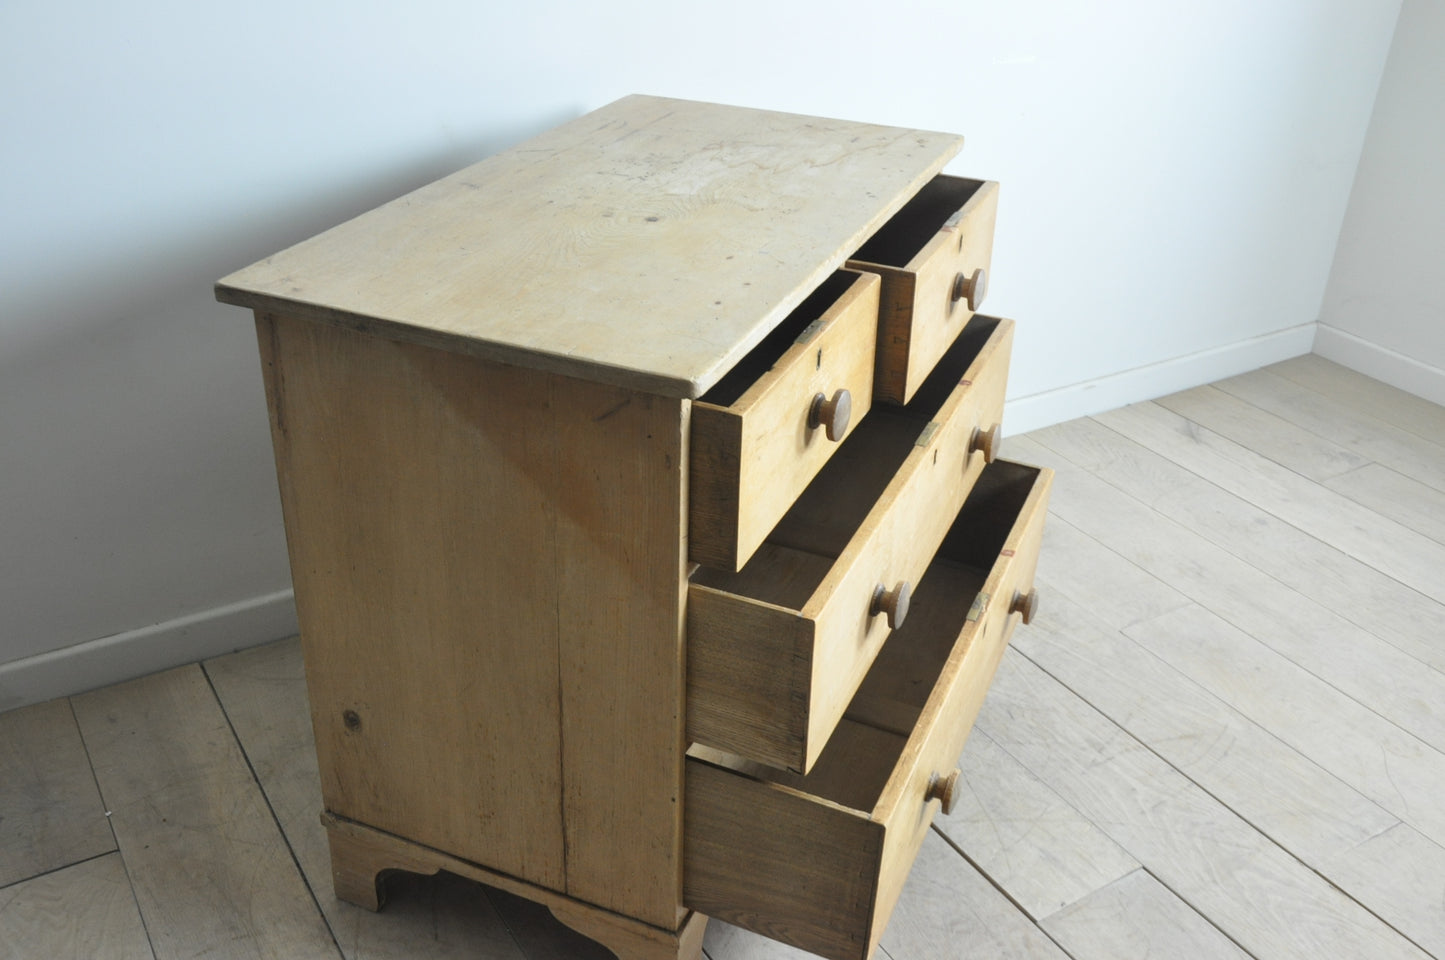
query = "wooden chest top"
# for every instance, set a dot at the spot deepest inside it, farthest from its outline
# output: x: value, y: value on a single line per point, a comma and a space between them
x: 649, y: 244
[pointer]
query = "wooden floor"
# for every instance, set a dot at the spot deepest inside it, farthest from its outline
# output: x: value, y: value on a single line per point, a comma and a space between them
x: 1224, y: 735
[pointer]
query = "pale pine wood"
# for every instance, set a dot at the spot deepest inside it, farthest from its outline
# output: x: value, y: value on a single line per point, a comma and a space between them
x: 1383, y: 544
x: 1415, y: 505
x: 884, y: 535
x: 1023, y: 836
x: 728, y: 216
x: 946, y: 230
x: 818, y: 861
x: 402, y: 468
x: 1400, y: 773
x: 360, y: 854
x: 949, y: 912
x: 1340, y: 421
x: 208, y: 865
x: 50, y: 812
x: 424, y: 462
x: 619, y: 493
x: 263, y: 691
x: 1137, y: 918
x: 84, y: 910
x: 1271, y: 436
x: 1348, y: 656
x: 1256, y: 893
x: 1367, y: 395
x: 751, y: 457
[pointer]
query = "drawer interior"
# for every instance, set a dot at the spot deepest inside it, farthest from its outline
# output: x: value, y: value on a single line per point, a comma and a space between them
x: 793, y: 562
x: 867, y: 745
x: 762, y: 358
x: 899, y: 240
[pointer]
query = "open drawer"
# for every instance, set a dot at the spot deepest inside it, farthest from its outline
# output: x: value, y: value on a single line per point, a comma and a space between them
x: 933, y: 256
x: 776, y: 650
x: 764, y: 430
x: 818, y: 861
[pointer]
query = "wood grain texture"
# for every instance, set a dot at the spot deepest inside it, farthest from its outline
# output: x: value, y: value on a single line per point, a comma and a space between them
x: 1137, y: 918
x: 619, y: 493
x: 770, y: 451
x: 884, y: 518
x: 1271, y: 436
x: 1352, y: 658
x: 947, y: 229
x: 1023, y: 836
x: 1387, y: 546
x: 1257, y: 894
x: 84, y: 910
x: 727, y: 942
x: 1327, y: 575
x: 1366, y: 395
x: 728, y: 216
x: 1326, y: 415
x: 1407, y: 871
x: 50, y: 812
x: 365, y: 850
x: 947, y: 911
x: 1294, y: 801
x: 403, y: 471
x: 263, y: 691
x: 1400, y: 773
x: 780, y: 862
x: 1417, y: 506
x: 210, y: 869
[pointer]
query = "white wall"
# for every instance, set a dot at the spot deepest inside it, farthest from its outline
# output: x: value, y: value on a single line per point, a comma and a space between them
x: 1384, y: 309
x: 1173, y: 185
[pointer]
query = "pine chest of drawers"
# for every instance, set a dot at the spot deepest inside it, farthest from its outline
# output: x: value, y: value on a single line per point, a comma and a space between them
x: 650, y: 551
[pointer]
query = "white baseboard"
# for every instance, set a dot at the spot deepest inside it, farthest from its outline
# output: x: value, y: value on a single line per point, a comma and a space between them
x: 1155, y: 380
x: 99, y: 663
x: 1382, y: 363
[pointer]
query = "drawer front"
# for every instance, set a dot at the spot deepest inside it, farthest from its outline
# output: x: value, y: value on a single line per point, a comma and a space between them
x: 776, y: 651
x: 759, y: 438
x: 818, y: 861
x: 933, y: 257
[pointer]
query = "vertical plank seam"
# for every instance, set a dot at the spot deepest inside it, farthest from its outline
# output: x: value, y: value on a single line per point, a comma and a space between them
x: 135, y: 898
x: 266, y: 799
x: 550, y: 519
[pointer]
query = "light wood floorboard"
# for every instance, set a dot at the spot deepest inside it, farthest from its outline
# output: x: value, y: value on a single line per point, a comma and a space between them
x: 1416, y: 505
x: 1223, y: 735
x: 1255, y: 892
x: 1137, y: 918
x: 210, y: 869
x: 1325, y: 415
x: 1371, y: 397
x: 1024, y: 836
x: 1359, y: 663
x: 1389, y: 547
x: 81, y: 911
x: 50, y: 810
x: 1330, y: 577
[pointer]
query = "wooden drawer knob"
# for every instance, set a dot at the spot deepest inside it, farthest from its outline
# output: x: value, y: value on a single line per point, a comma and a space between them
x: 832, y: 414
x: 892, y: 602
x: 972, y: 288
x: 1025, y: 604
x: 986, y: 441
x: 944, y: 790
